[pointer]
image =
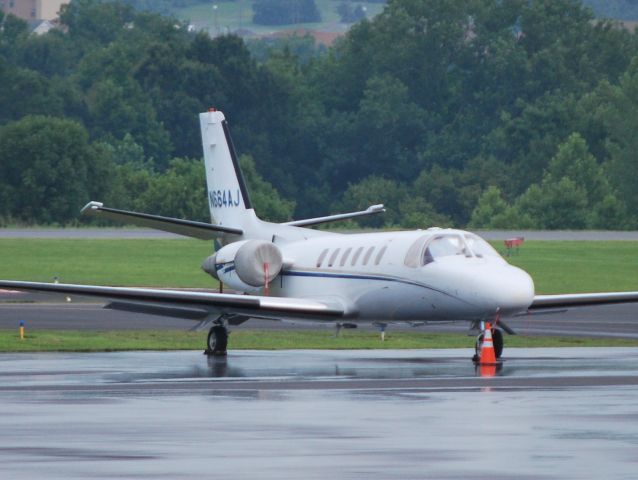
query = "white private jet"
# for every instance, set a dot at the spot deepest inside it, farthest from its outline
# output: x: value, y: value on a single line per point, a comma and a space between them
x: 289, y: 272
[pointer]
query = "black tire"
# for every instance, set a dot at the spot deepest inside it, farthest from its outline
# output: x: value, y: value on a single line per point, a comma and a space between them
x: 477, y: 347
x: 497, y: 339
x: 217, y: 340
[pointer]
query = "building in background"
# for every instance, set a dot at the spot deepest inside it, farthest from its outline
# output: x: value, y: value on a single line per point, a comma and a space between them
x: 33, y: 9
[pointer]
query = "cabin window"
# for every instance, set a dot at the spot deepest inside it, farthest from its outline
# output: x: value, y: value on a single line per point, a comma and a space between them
x: 380, y: 255
x: 368, y: 255
x: 322, y: 257
x: 346, y: 254
x: 356, y: 256
x: 333, y: 257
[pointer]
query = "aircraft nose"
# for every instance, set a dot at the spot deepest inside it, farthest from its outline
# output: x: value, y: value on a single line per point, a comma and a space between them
x: 503, y: 287
x: 512, y: 289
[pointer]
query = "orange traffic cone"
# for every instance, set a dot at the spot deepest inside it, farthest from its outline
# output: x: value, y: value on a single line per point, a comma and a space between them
x: 487, y: 370
x: 487, y: 355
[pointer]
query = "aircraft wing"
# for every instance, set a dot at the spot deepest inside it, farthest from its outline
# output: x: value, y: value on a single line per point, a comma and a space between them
x: 188, y: 228
x: 193, y: 305
x: 581, y: 300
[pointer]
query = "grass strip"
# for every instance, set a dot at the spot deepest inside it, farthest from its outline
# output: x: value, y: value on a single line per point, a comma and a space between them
x: 123, y: 262
x: 246, y: 339
x: 575, y: 266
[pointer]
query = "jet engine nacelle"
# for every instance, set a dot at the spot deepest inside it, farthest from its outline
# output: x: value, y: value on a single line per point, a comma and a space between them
x: 242, y: 265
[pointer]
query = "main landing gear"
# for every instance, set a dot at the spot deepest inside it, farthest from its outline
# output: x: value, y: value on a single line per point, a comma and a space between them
x: 217, y: 342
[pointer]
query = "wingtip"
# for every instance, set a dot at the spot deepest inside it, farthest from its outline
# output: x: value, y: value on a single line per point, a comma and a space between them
x: 91, y: 207
x: 376, y: 208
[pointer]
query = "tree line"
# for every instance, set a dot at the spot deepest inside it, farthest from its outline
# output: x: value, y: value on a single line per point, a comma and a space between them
x: 495, y: 114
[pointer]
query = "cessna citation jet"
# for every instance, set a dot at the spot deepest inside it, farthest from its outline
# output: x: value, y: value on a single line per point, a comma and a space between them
x: 292, y: 273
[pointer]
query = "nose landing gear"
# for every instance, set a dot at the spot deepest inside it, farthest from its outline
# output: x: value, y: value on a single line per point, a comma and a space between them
x: 497, y: 341
x: 496, y: 330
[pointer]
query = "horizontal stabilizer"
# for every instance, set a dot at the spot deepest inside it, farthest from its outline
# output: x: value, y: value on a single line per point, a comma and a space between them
x: 371, y: 210
x: 582, y: 299
x: 188, y: 228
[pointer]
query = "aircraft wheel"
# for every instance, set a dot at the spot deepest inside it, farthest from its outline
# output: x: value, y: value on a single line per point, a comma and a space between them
x: 477, y: 347
x: 497, y: 339
x: 217, y: 341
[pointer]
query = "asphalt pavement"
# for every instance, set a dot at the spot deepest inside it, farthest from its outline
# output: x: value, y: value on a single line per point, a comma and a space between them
x: 545, y: 414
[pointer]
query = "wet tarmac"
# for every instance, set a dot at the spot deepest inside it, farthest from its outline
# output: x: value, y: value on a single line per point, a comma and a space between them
x: 547, y: 413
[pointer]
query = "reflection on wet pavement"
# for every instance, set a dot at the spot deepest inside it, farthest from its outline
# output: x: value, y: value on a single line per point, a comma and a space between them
x: 547, y: 413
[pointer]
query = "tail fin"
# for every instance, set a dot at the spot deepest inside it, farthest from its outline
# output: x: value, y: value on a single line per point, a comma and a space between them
x: 227, y: 194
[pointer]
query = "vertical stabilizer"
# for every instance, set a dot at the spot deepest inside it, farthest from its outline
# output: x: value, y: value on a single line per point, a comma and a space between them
x: 227, y: 195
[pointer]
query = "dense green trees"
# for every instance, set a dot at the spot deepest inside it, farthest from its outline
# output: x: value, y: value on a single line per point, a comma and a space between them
x: 48, y: 168
x: 267, y: 202
x: 498, y: 85
x: 510, y: 113
x: 574, y: 193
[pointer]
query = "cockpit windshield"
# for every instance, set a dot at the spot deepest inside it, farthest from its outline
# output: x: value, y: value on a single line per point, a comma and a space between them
x: 445, y: 246
x: 480, y: 247
x: 428, y: 249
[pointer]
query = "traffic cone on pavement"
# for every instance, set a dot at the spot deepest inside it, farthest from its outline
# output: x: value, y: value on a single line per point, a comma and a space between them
x: 487, y: 355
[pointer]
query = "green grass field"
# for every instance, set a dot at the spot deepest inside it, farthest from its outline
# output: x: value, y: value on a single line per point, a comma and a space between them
x: 557, y: 267
x: 231, y: 16
x: 572, y: 266
x: 246, y: 339
x: 161, y: 263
